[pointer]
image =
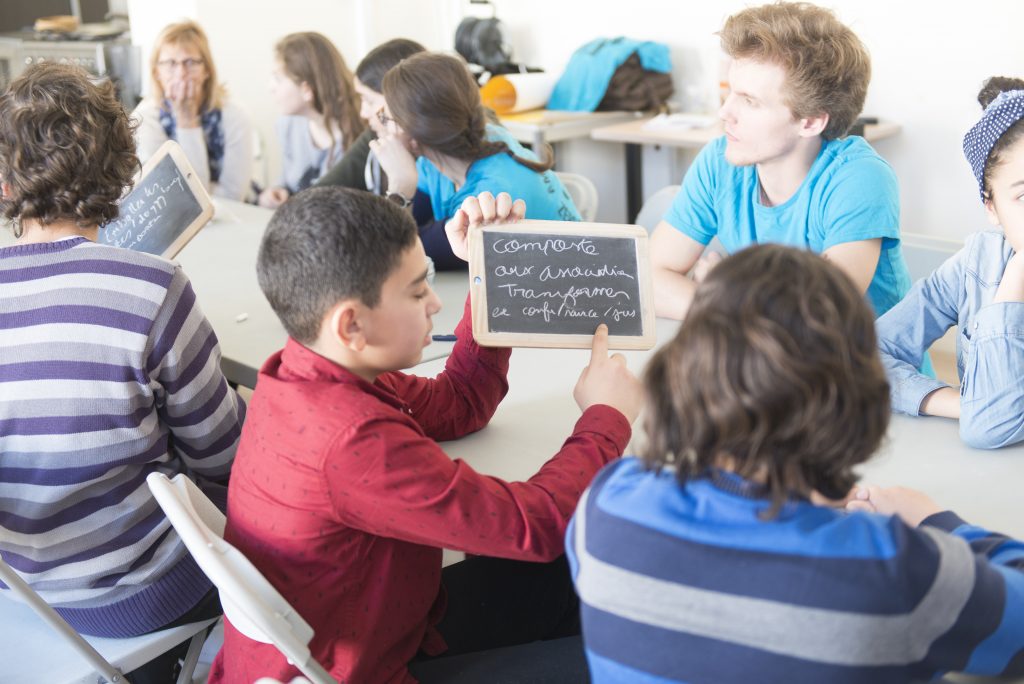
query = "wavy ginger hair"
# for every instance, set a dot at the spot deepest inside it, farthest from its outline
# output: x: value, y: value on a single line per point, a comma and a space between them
x: 827, y: 66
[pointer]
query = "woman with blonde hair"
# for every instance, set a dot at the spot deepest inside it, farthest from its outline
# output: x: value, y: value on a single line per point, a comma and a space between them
x: 314, y: 90
x: 187, y: 104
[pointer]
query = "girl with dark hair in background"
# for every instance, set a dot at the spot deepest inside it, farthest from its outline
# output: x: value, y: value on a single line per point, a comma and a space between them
x: 313, y: 87
x: 437, y: 139
x: 359, y: 169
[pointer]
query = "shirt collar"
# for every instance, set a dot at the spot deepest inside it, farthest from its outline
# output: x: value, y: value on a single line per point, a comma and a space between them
x: 298, y: 363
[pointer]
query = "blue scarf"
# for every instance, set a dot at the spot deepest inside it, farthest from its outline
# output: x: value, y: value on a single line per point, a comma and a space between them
x: 213, y: 133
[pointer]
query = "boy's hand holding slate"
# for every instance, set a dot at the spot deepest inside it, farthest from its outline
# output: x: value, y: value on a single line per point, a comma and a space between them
x: 479, y: 211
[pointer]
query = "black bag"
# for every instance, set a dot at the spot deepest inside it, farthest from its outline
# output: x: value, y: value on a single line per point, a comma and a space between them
x: 635, y: 89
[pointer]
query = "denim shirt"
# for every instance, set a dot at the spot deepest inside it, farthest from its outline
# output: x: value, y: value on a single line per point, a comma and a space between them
x: 989, y: 346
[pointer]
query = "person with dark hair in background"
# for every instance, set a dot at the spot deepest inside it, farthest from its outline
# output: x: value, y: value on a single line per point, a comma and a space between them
x: 437, y: 139
x: 314, y: 90
x: 359, y: 168
x: 722, y: 556
x: 980, y: 290
x: 109, y: 372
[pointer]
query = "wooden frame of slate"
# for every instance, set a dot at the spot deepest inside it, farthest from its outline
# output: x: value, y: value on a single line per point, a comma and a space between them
x: 165, y: 209
x: 550, y: 283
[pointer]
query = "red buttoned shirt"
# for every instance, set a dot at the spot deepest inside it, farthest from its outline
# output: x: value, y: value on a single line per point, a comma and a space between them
x: 342, y: 498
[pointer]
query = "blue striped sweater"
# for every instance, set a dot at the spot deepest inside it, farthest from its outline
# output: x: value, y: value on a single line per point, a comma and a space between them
x: 108, y: 371
x: 689, y: 585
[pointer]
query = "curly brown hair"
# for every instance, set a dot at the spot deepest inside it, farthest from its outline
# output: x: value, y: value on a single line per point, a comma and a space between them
x: 66, y: 147
x: 827, y: 66
x: 434, y: 98
x: 774, y: 375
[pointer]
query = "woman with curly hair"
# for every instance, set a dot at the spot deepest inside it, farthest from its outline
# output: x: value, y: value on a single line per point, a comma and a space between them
x: 109, y: 372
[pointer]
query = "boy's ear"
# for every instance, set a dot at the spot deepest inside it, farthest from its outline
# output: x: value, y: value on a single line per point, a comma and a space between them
x: 811, y: 126
x: 346, y: 326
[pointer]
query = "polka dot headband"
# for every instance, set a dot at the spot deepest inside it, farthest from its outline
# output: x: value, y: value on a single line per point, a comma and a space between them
x: 1004, y: 111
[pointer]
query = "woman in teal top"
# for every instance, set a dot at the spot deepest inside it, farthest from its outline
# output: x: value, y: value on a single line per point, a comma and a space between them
x: 439, y: 148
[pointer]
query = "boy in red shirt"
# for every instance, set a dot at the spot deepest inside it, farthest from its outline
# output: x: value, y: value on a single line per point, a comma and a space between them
x: 341, y: 496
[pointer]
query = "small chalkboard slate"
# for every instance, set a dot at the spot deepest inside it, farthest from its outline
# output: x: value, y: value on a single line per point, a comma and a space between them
x: 167, y: 206
x: 550, y: 283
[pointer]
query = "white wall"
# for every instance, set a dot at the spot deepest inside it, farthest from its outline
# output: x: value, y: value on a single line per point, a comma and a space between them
x: 928, y: 62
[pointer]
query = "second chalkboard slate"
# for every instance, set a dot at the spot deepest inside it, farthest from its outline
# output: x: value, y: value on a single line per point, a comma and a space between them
x: 167, y: 206
x: 551, y: 283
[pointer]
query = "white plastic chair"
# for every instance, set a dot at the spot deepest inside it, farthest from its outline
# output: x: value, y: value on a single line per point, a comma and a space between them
x: 582, y: 191
x: 656, y: 206
x: 254, y: 607
x: 38, y: 645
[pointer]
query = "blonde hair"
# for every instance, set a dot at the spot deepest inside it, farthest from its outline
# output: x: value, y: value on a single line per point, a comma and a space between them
x: 311, y: 58
x: 190, y: 35
x: 827, y: 66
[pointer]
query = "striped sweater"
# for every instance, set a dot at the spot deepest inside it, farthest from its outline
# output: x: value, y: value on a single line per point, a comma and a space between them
x: 108, y: 371
x: 687, y: 584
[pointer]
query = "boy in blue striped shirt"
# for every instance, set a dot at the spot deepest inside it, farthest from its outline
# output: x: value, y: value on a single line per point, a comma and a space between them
x: 712, y: 558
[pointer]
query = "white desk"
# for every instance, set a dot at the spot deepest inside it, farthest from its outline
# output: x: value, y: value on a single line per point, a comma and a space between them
x: 925, y: 453
x: 538, y: 413
x: 221, y: 263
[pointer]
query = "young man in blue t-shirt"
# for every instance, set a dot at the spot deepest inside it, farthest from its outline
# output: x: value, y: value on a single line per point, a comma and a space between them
x: 783, y: 172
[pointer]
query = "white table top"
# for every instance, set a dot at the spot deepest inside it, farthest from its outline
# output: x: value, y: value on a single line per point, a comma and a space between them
x: 538, y: 413
x: 221, y: 263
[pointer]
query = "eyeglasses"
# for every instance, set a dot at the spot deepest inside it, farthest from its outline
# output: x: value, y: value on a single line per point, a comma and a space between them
x: 189, y: 63
x: 384, y: 118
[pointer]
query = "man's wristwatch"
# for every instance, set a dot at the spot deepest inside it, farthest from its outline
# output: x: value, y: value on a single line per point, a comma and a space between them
x: 399, y: 199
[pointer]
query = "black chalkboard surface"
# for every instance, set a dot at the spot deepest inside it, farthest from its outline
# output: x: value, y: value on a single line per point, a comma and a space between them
x: 167, y: 206
x: 550, y: 283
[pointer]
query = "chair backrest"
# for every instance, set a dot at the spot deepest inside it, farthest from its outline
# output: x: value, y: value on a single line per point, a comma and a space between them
x: 254, y: 607
x: 655, y: 207
x: 582, y: 191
